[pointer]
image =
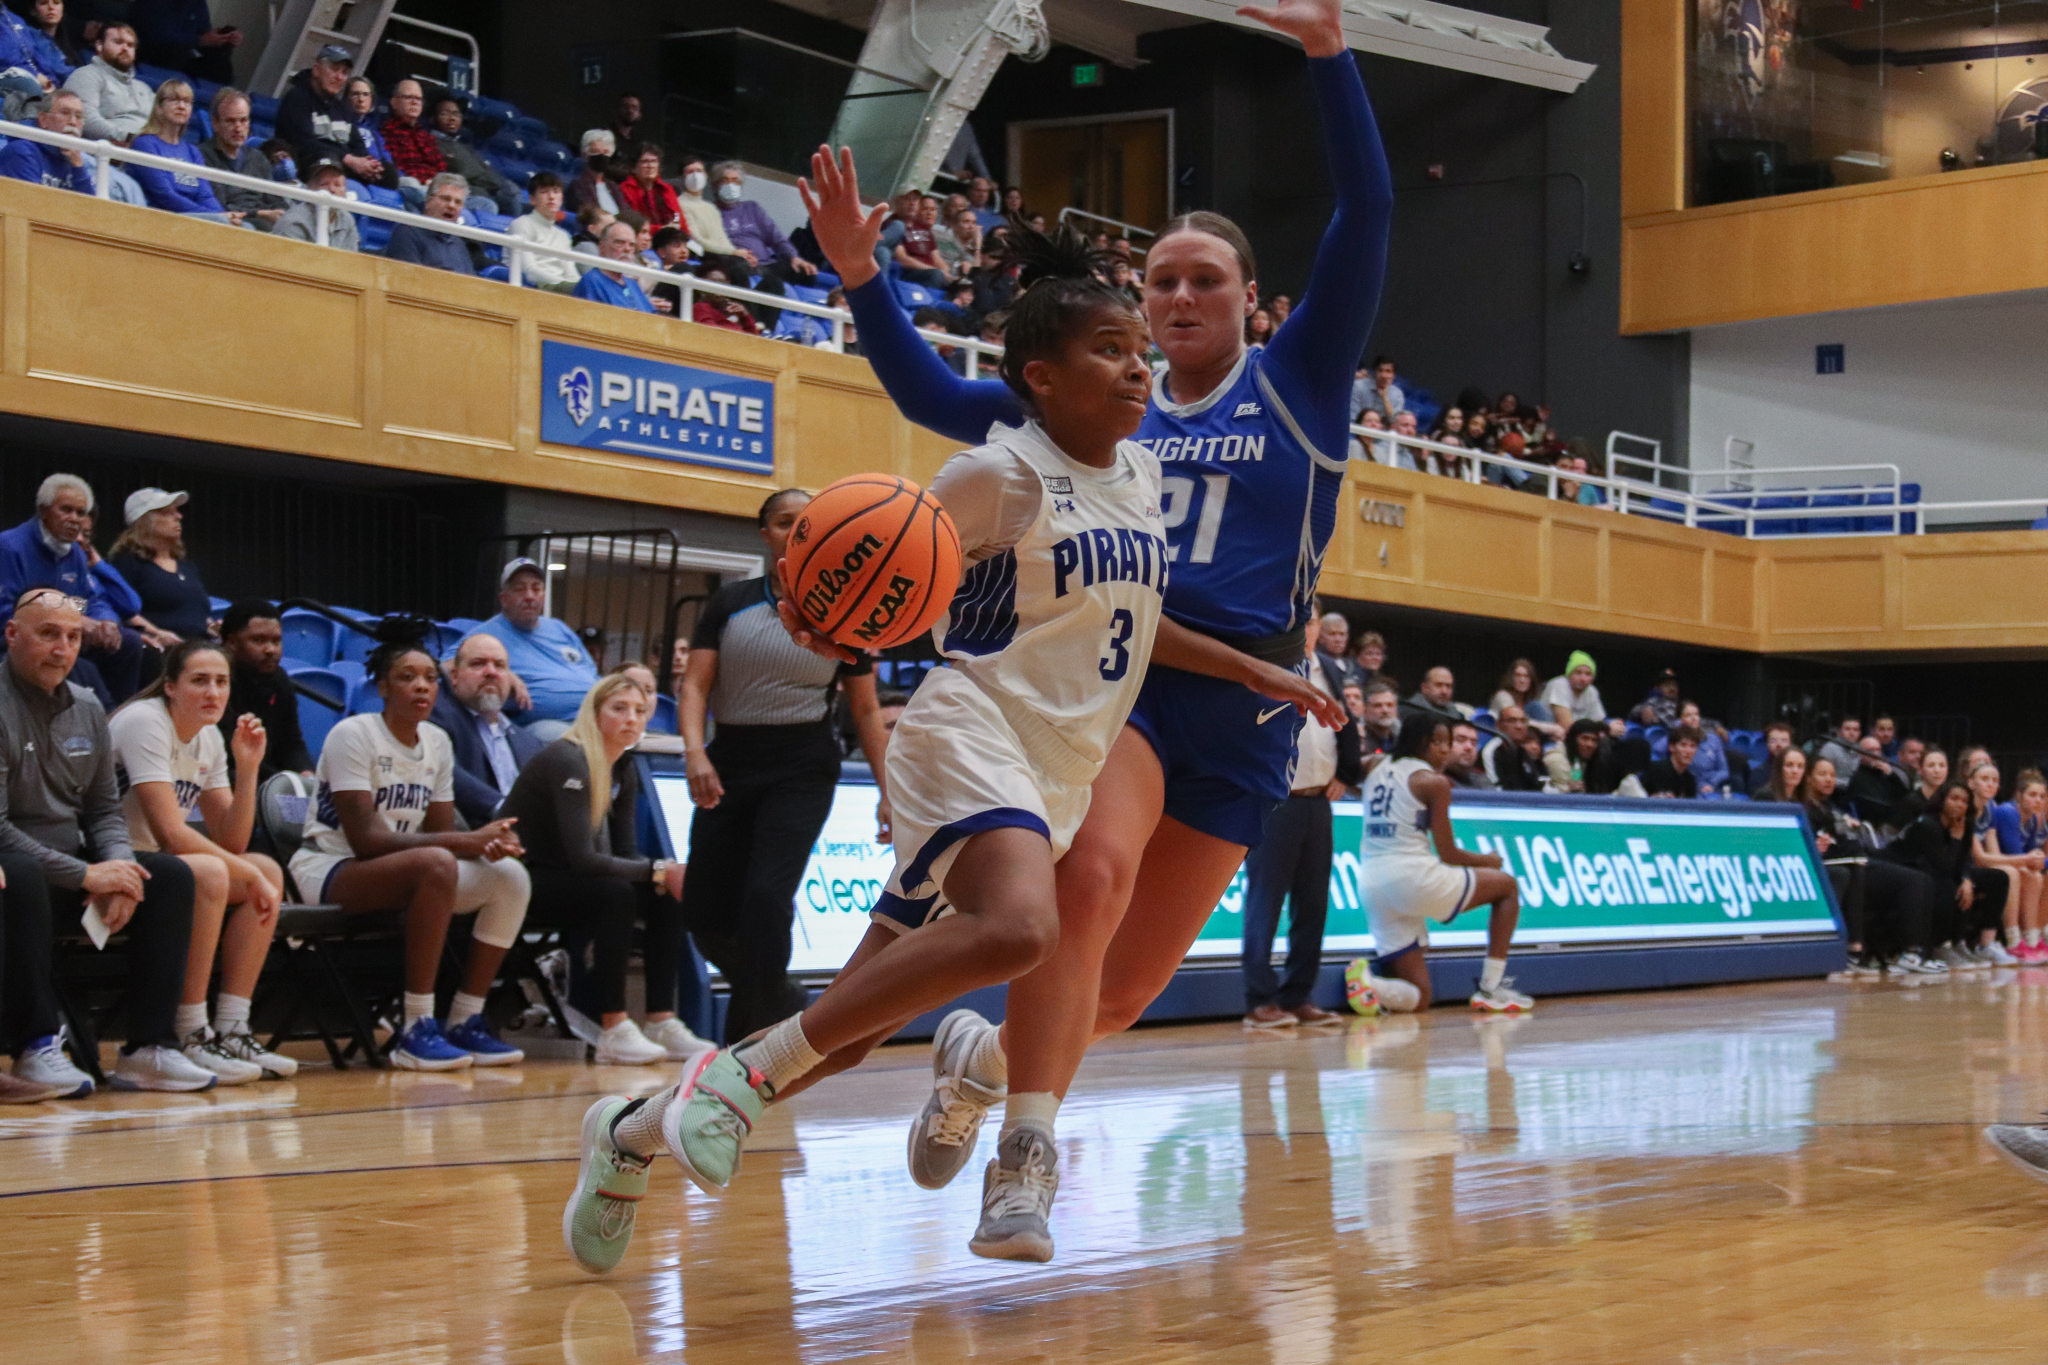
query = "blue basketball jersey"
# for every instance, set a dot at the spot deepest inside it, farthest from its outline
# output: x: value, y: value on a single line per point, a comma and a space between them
x: 1248, y: 503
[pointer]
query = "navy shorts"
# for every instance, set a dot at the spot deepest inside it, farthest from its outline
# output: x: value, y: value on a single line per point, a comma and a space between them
x: 1226, y: 767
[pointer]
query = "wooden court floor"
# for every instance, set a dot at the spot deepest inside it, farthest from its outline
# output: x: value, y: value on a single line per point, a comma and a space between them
x: 1757, y: 1174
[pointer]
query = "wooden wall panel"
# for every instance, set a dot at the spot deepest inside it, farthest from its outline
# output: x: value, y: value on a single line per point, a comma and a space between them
x: 234, y: 325
x: 1999, y: 589
x: 1652, y: 106
x: 1575, y: 562
x: 1828, y: 594
x: 1734, y: 594
x: 1487, y: 550
x: 423, y: 345
x: 1651, y: 577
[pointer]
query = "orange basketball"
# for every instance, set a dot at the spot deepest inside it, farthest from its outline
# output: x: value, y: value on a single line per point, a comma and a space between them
x: 872, y: 561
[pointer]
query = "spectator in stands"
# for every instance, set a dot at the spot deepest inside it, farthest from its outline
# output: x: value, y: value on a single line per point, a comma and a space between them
x: 1572, y: 694
x: 577, y: 807
x: 1844, y: 747
x: 50, y: 44
x: 1013, y: 202
x: 229, y: 149
x: 754, y: 234
x: 643, y: 237
x: 672, y: 249
x: 981, y: 198
x: 1880, y: 787
x: 382, y: 836
x: 1672, y: 774
x: 48, y: 551
x: 713, y: 310
x: 1719, y: 770
x: 1258, y: 328
x: 314, y: 119
x: 1661, y: 706
x: 1381, y: 723
x: 706, y: 225
x: 301, y: 220
x: 615, y: 287
x: 646, y: 193
x: 1939, y: 844
x: 2020, y: 905
x: 1887, y: 732
x: 1933, y: 774
x: 1514, y: 760
x: 1398, y: 453
x: 37, y: 163
x: 150, y: 556
x: 1372, y: 652
x: 593, y: 183
x: 545, y: 653
x: 541, y: 227
x: 490, y: 750
x: 181, y: 35
x: 1886, y: 908
x: 916, y: 252
x: 164, y: 135
x: 1597, y: 762
x: 172, y: 766
x: 258, y: 686
x: 1464, y: 768
x: 1383, y: 393
x: 1517, y: 688
x: 117, y: 103
x: 1435, y: 694
x: 424, y: 246
x: 1777, y: 739
x: 64, y: 849
x: 360, y: 95
x: 625, y: 127
x: 590, y: 222
x: 1783, y: 775
x: 1333, y: 651
x: 411, y: 142
x: 464, y: 161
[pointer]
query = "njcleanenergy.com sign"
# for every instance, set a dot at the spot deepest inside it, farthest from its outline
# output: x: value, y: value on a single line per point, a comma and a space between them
x: 1602, y: 871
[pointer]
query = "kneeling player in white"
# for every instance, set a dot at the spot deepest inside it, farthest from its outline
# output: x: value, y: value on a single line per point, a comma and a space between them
x: 1407, y: 886
x: 989, y: 767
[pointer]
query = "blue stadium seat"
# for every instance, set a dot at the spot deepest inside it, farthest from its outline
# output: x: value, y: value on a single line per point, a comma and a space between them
x: 553, y: 156
x: 381, y: 197
x: 1660, y: 741
x: 1782, y: 526
x: 806, y: 293
x: 502, y: 274
x: 484, y: 109
x: 913, y: 296
x: 510, y: 142
x: 308, y: 637
x: 316, y: 720
x: 260, y: 132
x: 262, y: 109
x: 155, y: 76
x: 518, y: 171
x: 363, y: 698
x: 492, y: 222
x: 218, y: 604
x: 527, y: 126
x: 663, y: 721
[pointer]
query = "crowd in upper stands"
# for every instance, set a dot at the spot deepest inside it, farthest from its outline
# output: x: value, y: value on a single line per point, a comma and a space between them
x: 1382, y: 402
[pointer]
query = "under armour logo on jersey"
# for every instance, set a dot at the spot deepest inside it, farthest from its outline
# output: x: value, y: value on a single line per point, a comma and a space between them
x: 1249, y: 409
x: 1062, y: 504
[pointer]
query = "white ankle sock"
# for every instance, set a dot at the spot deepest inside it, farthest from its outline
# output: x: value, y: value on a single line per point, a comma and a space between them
x: 1491, y: 974
x: 637, y: 1132
x: 2012, y: 936
x: 188, y: 1020
x: 230, y: 1012
x: 418, y: 1005
x: 1034, y: 1109
x: 987, y: 1065
x: 782, y: 1054
x: 2033, y: 937
x: 462, y: 1007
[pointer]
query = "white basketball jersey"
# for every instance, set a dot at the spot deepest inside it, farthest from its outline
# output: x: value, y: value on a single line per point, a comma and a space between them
x: 1395, y: 822
x: 1057, y: 628
x: 362, y: 755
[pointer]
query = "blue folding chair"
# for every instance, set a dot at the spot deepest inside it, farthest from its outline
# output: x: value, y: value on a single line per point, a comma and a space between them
x: 308, y: 637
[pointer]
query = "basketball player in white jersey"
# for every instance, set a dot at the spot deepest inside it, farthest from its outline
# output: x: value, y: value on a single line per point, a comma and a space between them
x: 1407, y: 885
x: 989, y: 767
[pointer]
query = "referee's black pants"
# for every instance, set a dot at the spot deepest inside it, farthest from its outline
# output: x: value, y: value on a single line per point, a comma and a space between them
x: 747, y: 858
x: 1291, y: 863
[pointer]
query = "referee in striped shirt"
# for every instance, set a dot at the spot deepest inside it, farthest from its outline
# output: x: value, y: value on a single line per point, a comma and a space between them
x: 764, y: 784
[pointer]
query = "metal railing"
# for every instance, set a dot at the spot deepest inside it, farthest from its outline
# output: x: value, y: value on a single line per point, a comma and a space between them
x: 106, y: 155
x: 455, y: 78
x: 1129, y: 228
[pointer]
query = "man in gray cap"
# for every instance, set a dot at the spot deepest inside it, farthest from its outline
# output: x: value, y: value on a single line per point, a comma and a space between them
x: 314, y: 119
x: 543, y: 651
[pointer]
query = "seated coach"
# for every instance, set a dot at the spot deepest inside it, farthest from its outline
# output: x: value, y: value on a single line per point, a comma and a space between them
x: 489, y: 749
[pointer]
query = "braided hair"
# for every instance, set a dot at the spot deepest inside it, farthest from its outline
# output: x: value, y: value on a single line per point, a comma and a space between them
x: 1065, y: 287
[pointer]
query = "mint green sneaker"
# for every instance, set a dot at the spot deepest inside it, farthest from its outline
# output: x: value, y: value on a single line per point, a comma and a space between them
x: 597, y: 1222
x: 707, y: 1124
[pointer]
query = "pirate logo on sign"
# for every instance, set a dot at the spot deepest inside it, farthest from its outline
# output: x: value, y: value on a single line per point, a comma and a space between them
x: 574, y: 389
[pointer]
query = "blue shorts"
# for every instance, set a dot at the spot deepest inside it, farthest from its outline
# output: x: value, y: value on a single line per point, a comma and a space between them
x: 1225, y: 768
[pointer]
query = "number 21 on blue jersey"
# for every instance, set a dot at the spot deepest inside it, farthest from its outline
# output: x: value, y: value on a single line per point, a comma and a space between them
x: 1177, y: 491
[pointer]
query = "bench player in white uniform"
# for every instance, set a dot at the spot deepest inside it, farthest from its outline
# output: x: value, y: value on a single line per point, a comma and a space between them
x: 1408, y: 886
x: 989, y: 767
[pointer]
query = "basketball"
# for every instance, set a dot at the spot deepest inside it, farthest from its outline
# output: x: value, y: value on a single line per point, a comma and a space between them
x: 872, y: 561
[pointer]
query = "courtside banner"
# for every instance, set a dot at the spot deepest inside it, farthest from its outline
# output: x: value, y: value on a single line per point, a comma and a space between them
x: 1594, y: 871
x: 599, y: 400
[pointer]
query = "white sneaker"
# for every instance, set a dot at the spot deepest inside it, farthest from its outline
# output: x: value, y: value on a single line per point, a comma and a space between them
x: 943, y: 1133
x: 241, y: 1044
x: 677, y: 1042
x: 1959, y: 960
x: 1016, y: 1199
x: 160, y: 1068
x: 204, y: 1051
x: 47, y: 1064
x: 1912, y: 964
x: 623, y: 1044
x: 1503, y: 998
x: 1995, y: 955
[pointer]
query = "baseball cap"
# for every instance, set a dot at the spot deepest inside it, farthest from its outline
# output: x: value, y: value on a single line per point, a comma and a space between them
x: 325, y: 163
x: 336, y: 53
x: 515, y: 566
x: 143, y: 501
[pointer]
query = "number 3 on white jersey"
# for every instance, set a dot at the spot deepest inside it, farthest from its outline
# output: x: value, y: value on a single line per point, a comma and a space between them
x: 1178, y: 492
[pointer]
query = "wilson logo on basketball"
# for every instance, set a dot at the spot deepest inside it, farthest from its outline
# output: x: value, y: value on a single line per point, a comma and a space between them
x: 884, y: 615
x: 832, y: 580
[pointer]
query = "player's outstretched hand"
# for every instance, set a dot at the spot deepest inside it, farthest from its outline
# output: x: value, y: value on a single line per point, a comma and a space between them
x: 1318, y: 24
x: 1281, y: 684
x: 846, y: 232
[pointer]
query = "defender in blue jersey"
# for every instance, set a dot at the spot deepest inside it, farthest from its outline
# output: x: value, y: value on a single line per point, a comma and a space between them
x: 1251, y: 447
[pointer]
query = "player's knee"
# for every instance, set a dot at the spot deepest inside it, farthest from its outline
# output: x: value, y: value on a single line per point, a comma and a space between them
x: 1019, y: 941
x: 1121, y: 1006
x: 209, y: 877
x: 436, y: 868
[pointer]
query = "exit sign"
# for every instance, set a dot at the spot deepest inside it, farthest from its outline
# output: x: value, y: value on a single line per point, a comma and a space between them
x: 1089, y: 73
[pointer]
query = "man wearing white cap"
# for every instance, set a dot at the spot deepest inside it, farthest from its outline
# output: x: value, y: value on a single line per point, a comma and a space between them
x: 52, y: 549
x: 544, y: 652
x: 150, y: 556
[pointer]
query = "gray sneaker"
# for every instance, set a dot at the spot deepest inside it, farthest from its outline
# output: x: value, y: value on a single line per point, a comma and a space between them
x: 2023, y: 1145
x: 942, y: 1135
x: 1016, y: 1199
